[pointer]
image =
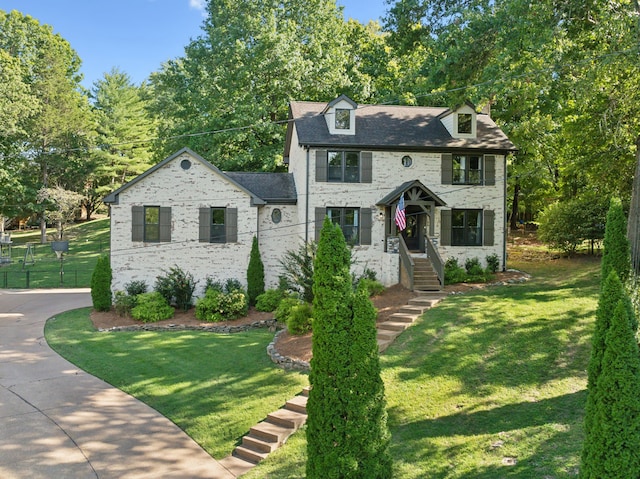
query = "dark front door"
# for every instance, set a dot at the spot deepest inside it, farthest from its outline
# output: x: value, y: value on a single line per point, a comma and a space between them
x: 411, y: 234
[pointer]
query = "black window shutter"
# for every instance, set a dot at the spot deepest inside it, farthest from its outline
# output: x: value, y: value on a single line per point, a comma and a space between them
x: 320, y: 214
x: 489, y: 170
x: 447, y: 168
x: 165, y: 224
x: 365, y: 225
x: 321, y: 165
x: 231, y: 224
x: 445, y: 227
x: 488, y: 220
x: 366, y: 167
x: 204, y: 222
x: 137, y: 223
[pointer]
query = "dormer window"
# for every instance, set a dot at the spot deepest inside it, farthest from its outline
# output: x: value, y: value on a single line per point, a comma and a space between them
x: 343, y: 119
x: 340, y: 115
x: 465, y: 123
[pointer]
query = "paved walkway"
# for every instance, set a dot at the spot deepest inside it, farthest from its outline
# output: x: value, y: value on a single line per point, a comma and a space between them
x: 57, y: 421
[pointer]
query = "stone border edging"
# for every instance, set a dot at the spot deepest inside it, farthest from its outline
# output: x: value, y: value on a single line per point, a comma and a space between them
x: 286, y: 363
x: 265, y: 323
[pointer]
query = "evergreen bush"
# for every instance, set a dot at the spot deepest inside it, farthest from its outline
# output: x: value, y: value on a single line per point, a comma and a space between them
x: 269, y: 300
x: 176, y: 287
x: 372, y: 286
x: 617, y: 252
x: 493, y: 263
x: 152, y: 307
x: 298, y: 270
x: 453, y: 272
x: 101, y: 285
x: 283, y: 311
x: 134, y: 288
x: 123, y: 303
x: 347, y: 435
x: 300, y: 319
x: 255, y: 273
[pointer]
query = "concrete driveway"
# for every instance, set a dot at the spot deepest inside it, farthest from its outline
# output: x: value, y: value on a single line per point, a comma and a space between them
x: 58, y: 422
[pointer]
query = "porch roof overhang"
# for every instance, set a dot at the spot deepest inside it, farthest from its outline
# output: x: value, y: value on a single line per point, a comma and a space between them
x: 394, y: 196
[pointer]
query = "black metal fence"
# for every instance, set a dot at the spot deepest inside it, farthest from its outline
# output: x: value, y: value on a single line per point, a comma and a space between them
x: 31, y: 278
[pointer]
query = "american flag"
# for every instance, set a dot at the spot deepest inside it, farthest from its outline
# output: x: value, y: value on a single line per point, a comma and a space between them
x: 401, y: 218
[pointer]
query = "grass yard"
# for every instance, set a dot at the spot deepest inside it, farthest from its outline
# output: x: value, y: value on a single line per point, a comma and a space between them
x: 213, y: 386
x: 87, y: 241
x: 487, y: 385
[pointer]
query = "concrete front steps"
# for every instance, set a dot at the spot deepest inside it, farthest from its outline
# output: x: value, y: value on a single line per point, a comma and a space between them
x: 268, y: 435
x: 425, y: 277
x: 389, y: 330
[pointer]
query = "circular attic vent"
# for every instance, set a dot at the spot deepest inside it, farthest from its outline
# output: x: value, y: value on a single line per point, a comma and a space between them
x: 185, y: 164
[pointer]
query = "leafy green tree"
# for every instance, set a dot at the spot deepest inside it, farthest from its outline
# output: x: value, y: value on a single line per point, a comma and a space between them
x: 125, y: 129
x: 237, y: 78
x: 617, y: 255
x: 255, y: 273
x: 347, y: 434
x: 613, y: 438
x: 101, y: 285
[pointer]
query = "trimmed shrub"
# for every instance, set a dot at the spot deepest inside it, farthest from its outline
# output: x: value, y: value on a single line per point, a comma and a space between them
x: 283, y: 311
x: 176, y: 287
x: 134, y: 288
x: 372, y: 286
x: 617, y: 252
x: 123, y: 303
x: 300, y: 319
x: 347, y: 434
x: 152, y: 307
x: 493, y: 263
x: 255, y: 273
x: 270, y: 299
x: 101, y: 285
x: 218, y: 306
x: 453, y: 272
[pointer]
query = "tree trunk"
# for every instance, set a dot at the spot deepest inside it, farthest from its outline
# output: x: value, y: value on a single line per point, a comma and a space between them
x: 633, y: 225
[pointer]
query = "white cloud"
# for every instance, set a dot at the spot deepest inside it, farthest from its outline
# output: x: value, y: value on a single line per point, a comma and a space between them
x: 197, y: 4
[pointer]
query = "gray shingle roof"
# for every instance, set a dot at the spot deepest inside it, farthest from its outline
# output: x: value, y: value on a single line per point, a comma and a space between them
x: 393, y: 127
x: 271, y: 187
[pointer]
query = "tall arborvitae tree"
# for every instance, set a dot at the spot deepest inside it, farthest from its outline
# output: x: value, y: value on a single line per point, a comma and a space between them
x: 255, y: 273
x: 611, y: 450
x: 617, y: 253
x: 101, y: 284
x: 347, y: 436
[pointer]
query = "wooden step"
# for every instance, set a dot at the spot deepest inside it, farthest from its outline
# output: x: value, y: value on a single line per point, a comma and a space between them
x: 270, y: 432
x: 297, y: 404
x: 287, y: 418
x: 250, y: 455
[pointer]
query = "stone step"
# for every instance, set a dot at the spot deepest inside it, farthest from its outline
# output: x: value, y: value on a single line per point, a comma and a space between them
x: 297, y: 404
x: 403, y: 317
x: 270, y: 432
x: 415, y: 309
x: 250, y: 455
x: 394, y: 325
x: 387, y: 334
x: 382, y: 345
x: 424, y: 302
x: 305, y: 391
x: 236, y: 465
x: 257, y: 444
x: 439, y: 295
x: 287, y: 418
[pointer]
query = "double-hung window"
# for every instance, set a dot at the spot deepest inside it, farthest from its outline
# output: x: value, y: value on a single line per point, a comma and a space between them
x: 343, y: 166
x: 218, y: 231
x: 343, y: 119
x: 349, y: 221
x: 152, y: 224
x: 466, y: 227
x: 467, y: 170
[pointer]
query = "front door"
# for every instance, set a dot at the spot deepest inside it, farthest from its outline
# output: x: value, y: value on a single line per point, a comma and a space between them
x: 412, y: 232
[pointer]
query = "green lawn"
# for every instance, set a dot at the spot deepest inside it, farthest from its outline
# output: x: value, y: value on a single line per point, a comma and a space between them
x: 489, y: 384
x: 86, y: 242
x: 213, y: 386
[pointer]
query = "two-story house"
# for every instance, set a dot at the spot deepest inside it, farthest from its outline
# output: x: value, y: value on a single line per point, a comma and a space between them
x: 346, y: 161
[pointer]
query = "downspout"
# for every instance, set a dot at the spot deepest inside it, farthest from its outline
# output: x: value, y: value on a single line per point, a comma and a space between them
x: 504, y: 223
x: 306, y: 201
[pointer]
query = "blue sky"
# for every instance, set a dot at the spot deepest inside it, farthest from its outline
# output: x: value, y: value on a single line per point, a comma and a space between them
x: 137, y: 35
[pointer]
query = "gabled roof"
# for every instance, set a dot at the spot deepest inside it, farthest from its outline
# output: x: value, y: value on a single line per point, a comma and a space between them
x: 113, y: 197
x: 271, y: 187
x: 393, y: 127
x: 394, y: 196
x: 333, y: 103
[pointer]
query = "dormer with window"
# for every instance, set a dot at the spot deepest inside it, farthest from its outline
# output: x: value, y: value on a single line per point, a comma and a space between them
x: 340, y: 115
x: 461, y: 122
